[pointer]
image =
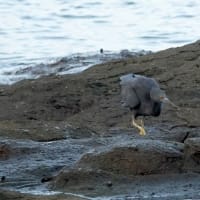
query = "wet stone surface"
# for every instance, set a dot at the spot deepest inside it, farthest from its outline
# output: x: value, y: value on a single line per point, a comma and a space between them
x: 38, y: 160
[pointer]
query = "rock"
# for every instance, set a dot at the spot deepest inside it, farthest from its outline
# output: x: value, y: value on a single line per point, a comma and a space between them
x: 5, y: 151
x: 140, y: 157
x: 10, y: 195
x: 93, y: 183
x: 157, y: 132
x: 92, y: 98
x: 116, y: 163
x: 34, y: 130
x: 109, y: 184
x: 46, y: 179
x: 192, y: 155
x: 90, y: 182
x: 77, y: 178
x: 3, y: 179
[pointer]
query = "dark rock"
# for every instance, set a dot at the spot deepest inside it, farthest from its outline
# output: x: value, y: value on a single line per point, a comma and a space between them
x: 109, y: 184
x: 3, y: 179
x: 5, y: 151
x: 192, y: 155
x: 90, y: 188
x: 46, y: 179
x: 118, y: 163
x: 136, y: 158
x: 77, y: 176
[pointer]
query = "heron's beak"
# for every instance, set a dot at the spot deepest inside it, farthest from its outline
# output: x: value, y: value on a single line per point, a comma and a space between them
x: 166, y: 100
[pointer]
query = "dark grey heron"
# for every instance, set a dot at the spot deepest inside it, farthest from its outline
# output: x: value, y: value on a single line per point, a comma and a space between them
x: 143, y: 96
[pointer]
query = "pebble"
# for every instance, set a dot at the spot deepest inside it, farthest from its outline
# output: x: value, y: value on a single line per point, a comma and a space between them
x: 109, y: 184
x: 46, y: 179
x: 3, y: 178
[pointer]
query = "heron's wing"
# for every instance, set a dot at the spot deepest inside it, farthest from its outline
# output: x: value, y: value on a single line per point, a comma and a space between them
x: 129, y: 97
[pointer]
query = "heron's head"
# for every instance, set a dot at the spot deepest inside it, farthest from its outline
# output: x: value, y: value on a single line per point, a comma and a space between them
x: 159, y: 95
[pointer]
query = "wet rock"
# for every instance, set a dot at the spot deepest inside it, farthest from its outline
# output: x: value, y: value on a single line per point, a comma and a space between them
x: 119, y: 162
x: 34, y: 130
x: 10, y: 150
x: 90, y: 182
x: 109, y: 184
x: 3, y: 179
x: 10, y: 195
x: 46, y: 179
x: 80, y: 176
x: 140, y: 157
x: 79, y: 132
x: 192, y: 155
x: 157, y: 132
x: 5, y: 151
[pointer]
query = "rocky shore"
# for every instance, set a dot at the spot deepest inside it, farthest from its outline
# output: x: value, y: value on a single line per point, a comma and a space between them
x: 70, y: 134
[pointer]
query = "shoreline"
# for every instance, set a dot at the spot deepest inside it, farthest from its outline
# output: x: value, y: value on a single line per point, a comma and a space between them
x: 70, y: 64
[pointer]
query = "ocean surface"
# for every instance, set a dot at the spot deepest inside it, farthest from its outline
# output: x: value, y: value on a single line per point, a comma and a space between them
x: 43, y: 31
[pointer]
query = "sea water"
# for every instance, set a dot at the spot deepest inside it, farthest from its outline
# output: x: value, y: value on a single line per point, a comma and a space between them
x: 41, y: 31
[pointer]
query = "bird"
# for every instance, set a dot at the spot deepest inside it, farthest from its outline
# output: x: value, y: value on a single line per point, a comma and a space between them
x: 143, y: 96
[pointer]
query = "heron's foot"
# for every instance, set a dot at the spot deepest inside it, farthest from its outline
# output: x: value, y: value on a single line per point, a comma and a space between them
x: 142, y: 131
x: 140, y: 127
x: 140, y: 122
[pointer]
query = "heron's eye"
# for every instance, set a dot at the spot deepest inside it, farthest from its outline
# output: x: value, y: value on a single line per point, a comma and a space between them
x: 162, y: 97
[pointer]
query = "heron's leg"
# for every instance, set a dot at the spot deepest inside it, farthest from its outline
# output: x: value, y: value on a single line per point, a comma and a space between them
x: 141, y: 128
x: 140, y: 122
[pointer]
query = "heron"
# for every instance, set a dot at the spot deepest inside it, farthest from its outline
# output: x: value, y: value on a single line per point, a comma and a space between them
x: 143, y: 96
